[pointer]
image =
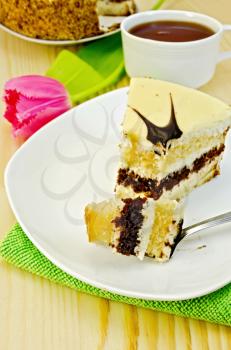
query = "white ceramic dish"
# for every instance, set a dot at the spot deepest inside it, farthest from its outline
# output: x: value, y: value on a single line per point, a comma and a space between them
x: 73, y: 161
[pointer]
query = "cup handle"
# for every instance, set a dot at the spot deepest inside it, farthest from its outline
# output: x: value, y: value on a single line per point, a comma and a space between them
x: 227, y: 54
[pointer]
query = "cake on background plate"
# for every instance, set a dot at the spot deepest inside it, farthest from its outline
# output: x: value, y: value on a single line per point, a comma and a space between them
x: 60, y: 19
x: 137, y: 226
x: 115, y: 7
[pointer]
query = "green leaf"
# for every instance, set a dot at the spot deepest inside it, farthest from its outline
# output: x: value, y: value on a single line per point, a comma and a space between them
x: 93, y: 68
x: 158, y: 4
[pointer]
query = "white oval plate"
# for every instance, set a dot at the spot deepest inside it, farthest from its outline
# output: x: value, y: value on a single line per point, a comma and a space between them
x: 71, y: 162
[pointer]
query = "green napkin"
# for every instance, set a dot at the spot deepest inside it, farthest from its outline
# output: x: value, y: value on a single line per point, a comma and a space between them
x: 18, y: 250
x: 93, y: 68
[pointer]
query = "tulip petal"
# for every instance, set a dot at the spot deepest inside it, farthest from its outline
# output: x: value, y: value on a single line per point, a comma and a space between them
x: 33, y: 101
x: 11, y: 98
x: 36, y: 86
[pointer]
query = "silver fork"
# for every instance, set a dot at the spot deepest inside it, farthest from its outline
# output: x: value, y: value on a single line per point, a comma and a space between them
x: 212, y: 222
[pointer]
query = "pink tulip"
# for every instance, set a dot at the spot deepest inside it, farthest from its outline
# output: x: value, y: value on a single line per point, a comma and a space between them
x: 32, y: 101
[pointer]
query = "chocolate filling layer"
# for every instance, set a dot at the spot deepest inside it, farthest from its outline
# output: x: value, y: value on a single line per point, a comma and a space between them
x: 129, y: 223
x: 155, y: 188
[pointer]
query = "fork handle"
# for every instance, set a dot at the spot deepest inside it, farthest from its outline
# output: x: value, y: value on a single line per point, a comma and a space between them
x: 215, y: 221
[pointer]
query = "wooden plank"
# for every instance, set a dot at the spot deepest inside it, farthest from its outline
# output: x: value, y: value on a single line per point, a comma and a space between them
x: 37, y: 314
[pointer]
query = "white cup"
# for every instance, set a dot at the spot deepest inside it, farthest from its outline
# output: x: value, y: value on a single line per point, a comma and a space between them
x: 190, y: 63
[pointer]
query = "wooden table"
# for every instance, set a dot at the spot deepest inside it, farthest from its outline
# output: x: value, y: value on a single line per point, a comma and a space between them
x: 37, y: 314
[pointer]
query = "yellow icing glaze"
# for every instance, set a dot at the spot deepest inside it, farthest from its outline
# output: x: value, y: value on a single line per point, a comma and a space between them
x: 193, y: 109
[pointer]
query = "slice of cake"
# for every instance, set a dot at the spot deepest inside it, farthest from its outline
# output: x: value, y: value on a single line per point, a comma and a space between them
x: 137, y: 226
x: 173, y: 140
x: 115, y: 7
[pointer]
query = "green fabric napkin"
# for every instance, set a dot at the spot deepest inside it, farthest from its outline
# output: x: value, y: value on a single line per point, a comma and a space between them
x: 18, y: 250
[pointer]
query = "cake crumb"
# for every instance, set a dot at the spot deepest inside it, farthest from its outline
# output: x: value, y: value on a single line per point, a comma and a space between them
x: 202, y: 246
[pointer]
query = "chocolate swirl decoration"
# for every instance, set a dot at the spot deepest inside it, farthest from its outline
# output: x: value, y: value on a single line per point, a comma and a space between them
x: 161, y: 134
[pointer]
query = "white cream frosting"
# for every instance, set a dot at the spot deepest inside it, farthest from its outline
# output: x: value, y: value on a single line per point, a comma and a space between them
x: 144, y: 233
x: 179, y: 164
x: 193, y: 109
